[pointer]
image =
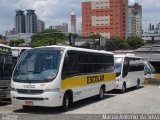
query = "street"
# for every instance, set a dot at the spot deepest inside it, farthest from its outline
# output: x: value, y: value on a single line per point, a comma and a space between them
x: 145, y: 100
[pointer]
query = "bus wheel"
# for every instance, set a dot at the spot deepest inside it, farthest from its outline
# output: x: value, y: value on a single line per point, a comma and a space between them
x: 65, y: 103
x: 123, y: 88
x: 101, y: 93
x: 138, y: 83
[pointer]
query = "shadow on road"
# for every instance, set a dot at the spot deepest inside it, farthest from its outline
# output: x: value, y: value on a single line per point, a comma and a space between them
x: 57, y: 110
x: 5, y: 102
x: 127, y: 90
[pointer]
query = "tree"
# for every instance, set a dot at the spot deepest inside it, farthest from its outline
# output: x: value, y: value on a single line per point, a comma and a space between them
x: 134, y: 42
x: 16, y: 42
x: 48, y: 37
x: 3, y: 41
x: 116, y: 44
x: 95, y: 36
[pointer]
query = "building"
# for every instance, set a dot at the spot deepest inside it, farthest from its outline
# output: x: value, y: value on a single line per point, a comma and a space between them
x: 25, y: 36
x: 73, y: 22
x: 106, y: 17
x: 151, y: 53
x: 31, y: 22
x: 135, y: 20
x: 20, y: 22
x: 40, y: 25
x: 13, y: 31
x: 154, y: 28
x: 153, y: 33
x: 62, y: 28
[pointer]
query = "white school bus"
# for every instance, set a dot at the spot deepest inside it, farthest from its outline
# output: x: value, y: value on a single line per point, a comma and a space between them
x: 129, y: 71
x: 57, y: 76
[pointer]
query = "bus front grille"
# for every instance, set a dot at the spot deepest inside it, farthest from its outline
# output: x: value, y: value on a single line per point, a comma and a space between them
x: 29, y: 98
x: 4, y: 83
x: 4, y: 92
x: 28, y: 91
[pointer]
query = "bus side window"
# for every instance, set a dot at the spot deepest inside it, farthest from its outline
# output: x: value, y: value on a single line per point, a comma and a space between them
x: 125, y: 67
x: 69, y: 65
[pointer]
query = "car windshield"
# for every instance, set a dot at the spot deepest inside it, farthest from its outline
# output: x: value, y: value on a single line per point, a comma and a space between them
x: 38, y: 65
x: 118, y: 65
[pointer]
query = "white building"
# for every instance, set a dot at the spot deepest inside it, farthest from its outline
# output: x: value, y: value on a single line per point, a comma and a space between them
x: 40, y: 25
x: 25, y: 36
x: 135, y: 19
x: 62, y: 28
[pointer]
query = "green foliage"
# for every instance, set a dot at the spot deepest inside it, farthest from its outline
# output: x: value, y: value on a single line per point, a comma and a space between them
x: 116, y: 44
x: 47, y: 37
x: 134, y: 42
x: 16, y: 42
x: 95, y: 36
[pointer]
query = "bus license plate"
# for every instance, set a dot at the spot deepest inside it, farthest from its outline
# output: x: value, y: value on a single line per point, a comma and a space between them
x: 29, y: 102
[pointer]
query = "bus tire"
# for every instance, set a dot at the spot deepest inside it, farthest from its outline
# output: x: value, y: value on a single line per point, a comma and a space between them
x: 66, y: 103
x: 101, y: 93
x: 138, y: 84
x: 123, y: 88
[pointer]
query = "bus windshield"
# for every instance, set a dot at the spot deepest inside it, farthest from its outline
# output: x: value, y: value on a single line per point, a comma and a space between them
x: 118, y: 65
x: 38, y: 65
x: 152, y: 68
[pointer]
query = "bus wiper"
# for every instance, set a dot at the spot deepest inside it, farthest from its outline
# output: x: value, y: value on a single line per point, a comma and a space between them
x: 26, y: 76
x: 21, y: 73
x: 33, y: 71
x: 46, y: 80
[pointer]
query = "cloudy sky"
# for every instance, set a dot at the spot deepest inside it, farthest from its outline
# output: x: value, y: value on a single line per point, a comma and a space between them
x: 55, y: 12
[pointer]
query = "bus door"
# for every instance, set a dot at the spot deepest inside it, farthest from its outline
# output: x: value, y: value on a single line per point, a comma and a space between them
x: 126, y: 71
x: 5, y: 66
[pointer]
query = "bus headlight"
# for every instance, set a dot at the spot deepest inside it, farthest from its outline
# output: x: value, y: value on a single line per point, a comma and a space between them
x: 53, y: 90
x: 13, y: 89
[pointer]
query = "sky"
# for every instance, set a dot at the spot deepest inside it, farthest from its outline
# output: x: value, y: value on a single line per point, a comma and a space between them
x: 55, y: 12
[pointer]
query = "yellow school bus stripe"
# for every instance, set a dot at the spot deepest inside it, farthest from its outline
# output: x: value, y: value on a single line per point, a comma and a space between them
x: 79, y: 81
x: 157, y: 75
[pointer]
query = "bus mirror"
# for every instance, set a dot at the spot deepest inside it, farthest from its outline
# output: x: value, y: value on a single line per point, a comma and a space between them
x: 118, y: 74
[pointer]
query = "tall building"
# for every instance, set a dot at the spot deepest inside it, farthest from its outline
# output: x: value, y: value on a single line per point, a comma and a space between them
x: 20, y: 21
x: 31, y: 22
x: 135, y: 19
x: 40, y: 25
x: 62, y: 28
x: 65, y: 27
x: 73, y: 22
x: 106, y: 17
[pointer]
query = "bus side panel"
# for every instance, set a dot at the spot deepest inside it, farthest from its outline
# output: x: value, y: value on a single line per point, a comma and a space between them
x: 132, y: 78
x: 88, y: 85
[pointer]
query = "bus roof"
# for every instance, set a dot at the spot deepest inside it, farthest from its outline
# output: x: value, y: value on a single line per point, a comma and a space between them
x: 78, y: 49
x: 2, y: 45
x: 17, y: 50
x: 127, y: 55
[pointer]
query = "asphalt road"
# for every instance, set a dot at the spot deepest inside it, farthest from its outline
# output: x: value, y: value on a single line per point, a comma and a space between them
x: 145, y: 100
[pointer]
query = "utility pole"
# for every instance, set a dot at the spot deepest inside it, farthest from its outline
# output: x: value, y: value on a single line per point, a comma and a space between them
x: 71, y: 39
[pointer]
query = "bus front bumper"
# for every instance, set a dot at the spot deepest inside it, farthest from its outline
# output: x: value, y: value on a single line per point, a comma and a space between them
x: 47, y: 99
